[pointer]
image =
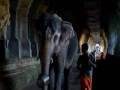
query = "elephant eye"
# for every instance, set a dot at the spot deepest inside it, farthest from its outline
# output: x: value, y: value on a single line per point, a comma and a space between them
x: 48, y: 33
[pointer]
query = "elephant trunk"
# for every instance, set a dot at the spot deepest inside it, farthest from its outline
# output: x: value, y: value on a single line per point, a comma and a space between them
x: 45, y: 56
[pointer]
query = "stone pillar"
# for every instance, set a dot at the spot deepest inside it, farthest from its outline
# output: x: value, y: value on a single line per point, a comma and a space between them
x: 114, y: 32
x: 37, y: 8
x: 33, y: 39
x: 22, y: 28
x: 12, y: 48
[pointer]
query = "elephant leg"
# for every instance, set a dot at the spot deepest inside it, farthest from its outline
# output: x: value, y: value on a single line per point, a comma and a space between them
x: 60, y: 72
x: 43, y: 80
x: 52, y: 77
x: 66, y: 79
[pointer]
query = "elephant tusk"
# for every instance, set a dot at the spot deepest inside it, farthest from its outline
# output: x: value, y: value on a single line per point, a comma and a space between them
x: 51, y: 60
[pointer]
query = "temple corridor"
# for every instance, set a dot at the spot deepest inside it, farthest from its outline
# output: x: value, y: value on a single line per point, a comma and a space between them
x: 96, y: 22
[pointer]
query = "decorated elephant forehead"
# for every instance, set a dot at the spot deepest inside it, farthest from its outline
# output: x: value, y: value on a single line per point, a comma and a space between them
x: 67, y: 27
x: 54, y: 22
x: 67, y: 30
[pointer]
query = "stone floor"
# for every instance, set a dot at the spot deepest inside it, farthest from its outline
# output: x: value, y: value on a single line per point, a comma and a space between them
x: 32, y: 86
x: 73, y: 82
x: 107, y: 76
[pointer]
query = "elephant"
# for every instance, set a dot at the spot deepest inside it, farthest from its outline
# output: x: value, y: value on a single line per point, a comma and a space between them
x: 58, y: 46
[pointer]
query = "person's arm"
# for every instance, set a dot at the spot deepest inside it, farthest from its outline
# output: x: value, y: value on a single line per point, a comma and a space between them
x: 92, y: 61
x: 78, y: 63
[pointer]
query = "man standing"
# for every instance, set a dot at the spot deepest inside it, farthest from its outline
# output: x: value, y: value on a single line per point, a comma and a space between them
x: 85, y: 64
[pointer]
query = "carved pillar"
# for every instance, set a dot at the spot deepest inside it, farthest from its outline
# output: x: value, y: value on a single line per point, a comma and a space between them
x: 114, y: 32
x: 12, y: 50
x: 34, y: 43
x: 37, y: 8
x: 22, y: 28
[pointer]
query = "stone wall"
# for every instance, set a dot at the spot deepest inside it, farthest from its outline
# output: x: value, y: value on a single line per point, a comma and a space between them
x: 16, y: 76
x: 19, y: 62
x: 114, y: 31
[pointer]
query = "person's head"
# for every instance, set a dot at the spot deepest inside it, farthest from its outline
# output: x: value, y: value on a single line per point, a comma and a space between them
x: 84, y: 48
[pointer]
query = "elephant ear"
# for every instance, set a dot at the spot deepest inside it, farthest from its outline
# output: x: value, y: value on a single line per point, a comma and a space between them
x: 67, y: 30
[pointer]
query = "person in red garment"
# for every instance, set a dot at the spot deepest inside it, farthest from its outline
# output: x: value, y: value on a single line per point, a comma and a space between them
x: 85, y: 64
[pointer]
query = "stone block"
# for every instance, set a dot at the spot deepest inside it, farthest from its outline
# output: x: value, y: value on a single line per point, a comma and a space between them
x: 13, y: 49
x: 24, y: 48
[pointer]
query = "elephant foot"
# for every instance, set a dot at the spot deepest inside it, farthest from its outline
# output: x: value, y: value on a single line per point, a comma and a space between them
x: 40, y: 83
x: 43, y: 81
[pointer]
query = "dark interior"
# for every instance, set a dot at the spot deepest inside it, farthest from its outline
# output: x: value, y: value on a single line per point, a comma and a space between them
x: 106, y: 75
